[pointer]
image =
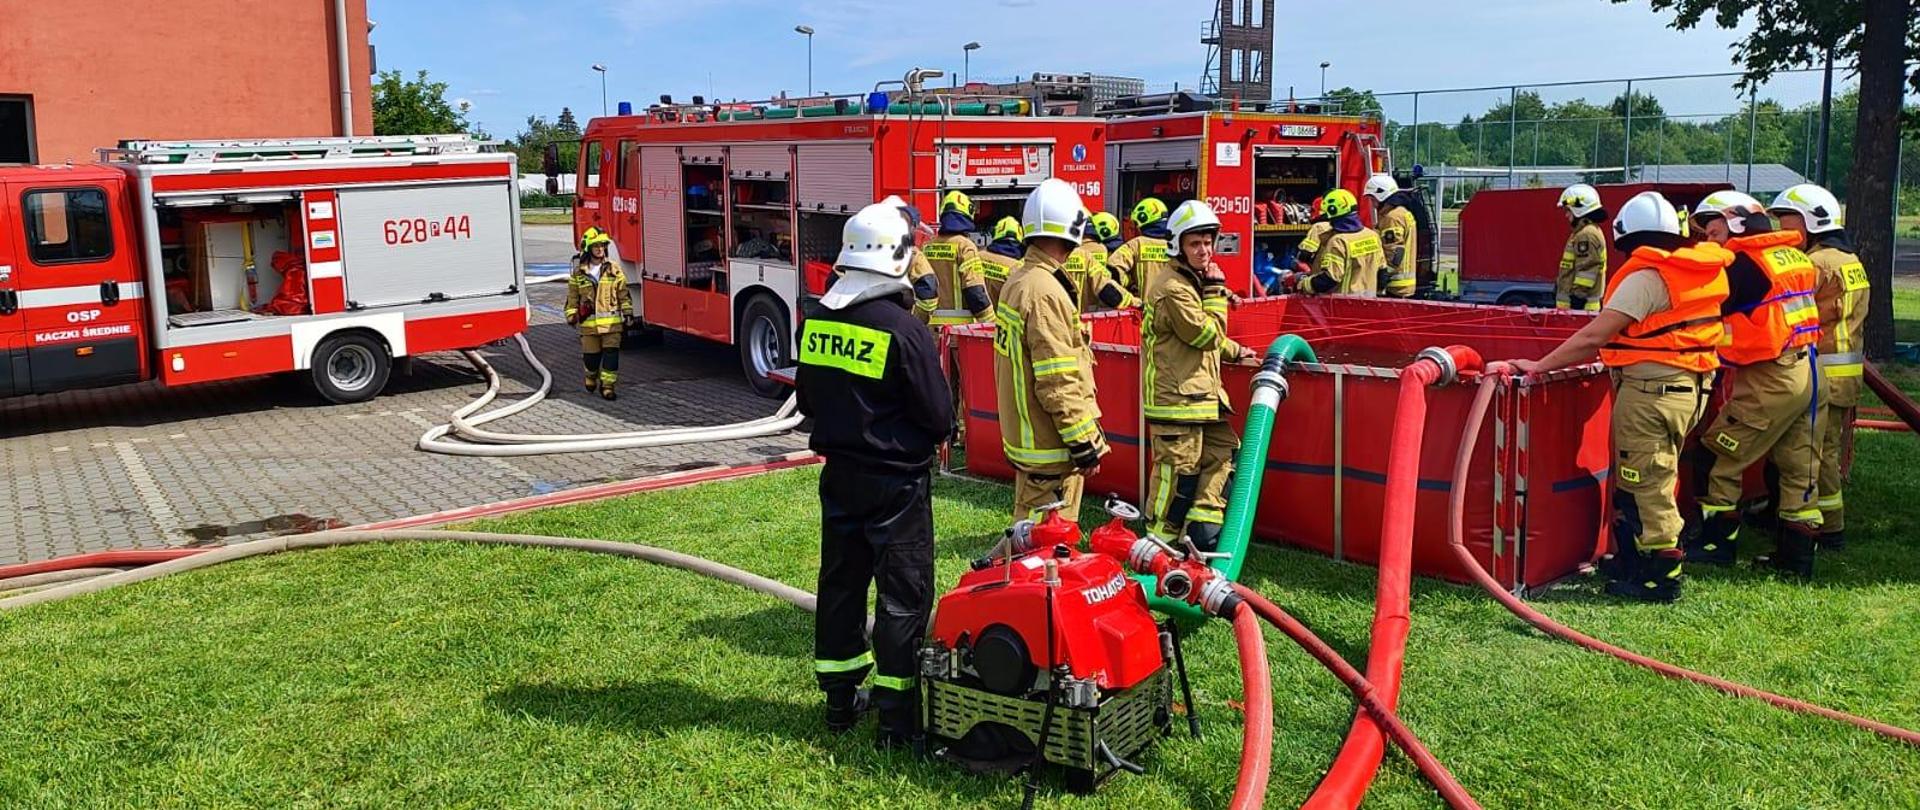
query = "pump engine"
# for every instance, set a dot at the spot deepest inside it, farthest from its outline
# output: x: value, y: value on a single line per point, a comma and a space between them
x: 1042, y: 647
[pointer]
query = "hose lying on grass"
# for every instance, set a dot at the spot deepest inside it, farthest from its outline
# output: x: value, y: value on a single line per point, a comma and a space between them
x: 1456, y: 538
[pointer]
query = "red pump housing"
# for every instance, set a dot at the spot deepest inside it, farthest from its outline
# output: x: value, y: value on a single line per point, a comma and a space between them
x: 1102, y: 630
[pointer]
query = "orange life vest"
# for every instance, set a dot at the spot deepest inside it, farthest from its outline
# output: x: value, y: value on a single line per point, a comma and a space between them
x: 1789, y: 318
x: 1688, y: 332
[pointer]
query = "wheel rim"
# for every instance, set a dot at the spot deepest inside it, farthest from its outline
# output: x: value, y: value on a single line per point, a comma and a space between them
x: 763, y: 345
x: 351, y: 368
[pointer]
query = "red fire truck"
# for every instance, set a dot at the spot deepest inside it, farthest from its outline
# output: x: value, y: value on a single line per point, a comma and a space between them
x: 726, y: 218
x: 1260, y: 170
x: 166, y: 260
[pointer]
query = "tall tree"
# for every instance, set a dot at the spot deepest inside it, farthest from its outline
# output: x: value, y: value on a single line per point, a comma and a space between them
x: 414, y: 106
x: 1880, y: 37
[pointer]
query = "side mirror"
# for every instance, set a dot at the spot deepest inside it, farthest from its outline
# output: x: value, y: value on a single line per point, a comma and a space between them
x: 550, y: 161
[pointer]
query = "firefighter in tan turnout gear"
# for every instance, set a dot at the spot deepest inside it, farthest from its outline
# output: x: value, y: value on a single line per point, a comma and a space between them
x: 1350, y: 258
x: 1043, y: 364
x: 1841, y: 295
x: 1771, y: 320
x: 1134, y: 262
x: 599, y: 303
x: 1088, y: 268
x: 1183, y: 332
x: 1002, y: 255
x: 1398, y: 236
x: 1583, y: 264
x: 1656, y: 334
x: 955, y: 262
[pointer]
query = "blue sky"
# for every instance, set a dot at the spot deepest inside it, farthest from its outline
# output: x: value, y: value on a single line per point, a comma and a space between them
x: 512, y: 58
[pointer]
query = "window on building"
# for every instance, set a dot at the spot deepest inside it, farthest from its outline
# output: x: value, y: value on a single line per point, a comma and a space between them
x: 1257, y: 13
x: 16, y: 129
x: 1231, y: 62
x: 1233, y: 12
x: 67, y: 225
x: 1255, y: 72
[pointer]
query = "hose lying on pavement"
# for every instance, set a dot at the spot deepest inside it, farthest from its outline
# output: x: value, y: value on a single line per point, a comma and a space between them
x: 465, y: 424
x: 1456, y: 540
x: 274, y: 545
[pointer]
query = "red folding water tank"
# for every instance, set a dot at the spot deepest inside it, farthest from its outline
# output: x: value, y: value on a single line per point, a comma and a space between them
x: 1537, y: 499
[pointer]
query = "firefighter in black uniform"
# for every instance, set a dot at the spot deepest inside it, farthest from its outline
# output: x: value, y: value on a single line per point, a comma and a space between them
x: 870, y: 378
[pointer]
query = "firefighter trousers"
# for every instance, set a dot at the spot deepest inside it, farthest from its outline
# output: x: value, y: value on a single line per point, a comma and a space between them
x: 1838, y: 396
x: 1651, y: 417
x: 1032, y: 490
x: 1191, y: 465
x: 601, y: 355
x: 876, y: 527
x: 1766, y: 417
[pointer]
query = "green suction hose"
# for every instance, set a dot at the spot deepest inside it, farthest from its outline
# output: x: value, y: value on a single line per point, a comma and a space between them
x: 1269, y: 390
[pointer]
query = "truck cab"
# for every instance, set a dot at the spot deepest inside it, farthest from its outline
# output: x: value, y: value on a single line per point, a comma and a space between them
x: 72, y: 301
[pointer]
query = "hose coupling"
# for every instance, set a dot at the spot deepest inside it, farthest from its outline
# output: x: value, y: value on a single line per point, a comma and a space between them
x: 1217, y: 597
x: 1270, y: 379
x: 1176, y: 584
x: 1449, y: 371
x: 1145, y: 554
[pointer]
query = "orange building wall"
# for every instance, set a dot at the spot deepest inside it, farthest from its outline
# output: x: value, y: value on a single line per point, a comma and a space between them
x: 100, y: 71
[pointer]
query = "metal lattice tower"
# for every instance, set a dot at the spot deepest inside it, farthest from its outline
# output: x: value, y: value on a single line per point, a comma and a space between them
x: 1239, y: 42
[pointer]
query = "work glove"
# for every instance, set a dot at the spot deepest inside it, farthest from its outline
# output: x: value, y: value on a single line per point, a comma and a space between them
x: 573, y: 318
x: 1085, y: 455
x: 1576, y: 302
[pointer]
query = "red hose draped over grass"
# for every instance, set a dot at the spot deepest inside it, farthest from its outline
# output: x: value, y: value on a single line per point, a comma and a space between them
x: 1456, y: 541
x: 1256, y: 744
x: 98, y: 559
x: 1430, y: 766
x: 1353, y: 768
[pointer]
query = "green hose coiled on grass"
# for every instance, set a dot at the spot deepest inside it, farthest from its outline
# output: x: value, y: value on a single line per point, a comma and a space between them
x: 1269, y: 390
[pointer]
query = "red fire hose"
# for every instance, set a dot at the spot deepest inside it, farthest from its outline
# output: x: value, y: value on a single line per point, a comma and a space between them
x: 1430, y: 766
x: 1353, y: 768
x: 1256, y: 744
x: 1456, y: 539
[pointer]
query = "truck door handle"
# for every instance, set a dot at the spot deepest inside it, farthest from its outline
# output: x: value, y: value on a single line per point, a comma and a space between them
x: 9, y: 302
x: 109, y: 292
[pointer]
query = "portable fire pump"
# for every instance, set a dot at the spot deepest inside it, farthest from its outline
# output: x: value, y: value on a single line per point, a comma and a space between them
x: 1045, y: 653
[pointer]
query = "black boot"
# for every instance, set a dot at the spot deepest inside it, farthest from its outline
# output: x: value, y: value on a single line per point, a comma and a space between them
x: 1833, y: 541
x: 1656, y: 578
x: 899, y: 730
x: 1205, y: 536
x: 1716, y: 542
x: 844, y: 709
x: 1793, y: 550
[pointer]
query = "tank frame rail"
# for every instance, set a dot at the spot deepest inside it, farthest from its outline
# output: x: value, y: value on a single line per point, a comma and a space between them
x: 255, y: 150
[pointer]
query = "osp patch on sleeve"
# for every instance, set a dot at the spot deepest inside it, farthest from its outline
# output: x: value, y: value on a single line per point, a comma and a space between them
x: 1731, y: 444
x: 856, y: 350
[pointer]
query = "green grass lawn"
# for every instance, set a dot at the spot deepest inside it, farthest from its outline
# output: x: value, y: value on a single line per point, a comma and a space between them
x: 454, y: 676
x: 546, y: 217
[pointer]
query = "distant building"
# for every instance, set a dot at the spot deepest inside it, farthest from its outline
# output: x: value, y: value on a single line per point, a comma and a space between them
x: 76, y: 75
x: 1239, y: 42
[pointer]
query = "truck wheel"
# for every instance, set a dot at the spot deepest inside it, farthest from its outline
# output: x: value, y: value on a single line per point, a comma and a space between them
x: 1516, y: 299
x: 765, y: 339
x: 350, y: 368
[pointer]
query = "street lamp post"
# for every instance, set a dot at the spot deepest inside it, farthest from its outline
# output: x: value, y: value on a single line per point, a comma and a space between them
x: 966, y: 62
x: 1323, y: 80
x: 602, y: 70
x: 808, y: 31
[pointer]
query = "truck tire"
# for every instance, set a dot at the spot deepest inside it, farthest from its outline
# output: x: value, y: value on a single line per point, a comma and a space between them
x: 350, y: 367
x: 764, y: 335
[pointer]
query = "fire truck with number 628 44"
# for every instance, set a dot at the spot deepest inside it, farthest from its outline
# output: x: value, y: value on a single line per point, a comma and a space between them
x: 196, y: 261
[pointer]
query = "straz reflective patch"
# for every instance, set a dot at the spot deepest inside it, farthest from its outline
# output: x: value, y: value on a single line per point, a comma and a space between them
x: 1629, y: 475
x: 1730, y: 443
x: 1366, y: 245
x: 940, y: 251
x: 853, y: 349
x: 1153, y: 253
x: 1855, y: 276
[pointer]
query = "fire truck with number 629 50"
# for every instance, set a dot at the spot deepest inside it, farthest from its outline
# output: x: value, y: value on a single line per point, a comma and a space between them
x: 195, y: 261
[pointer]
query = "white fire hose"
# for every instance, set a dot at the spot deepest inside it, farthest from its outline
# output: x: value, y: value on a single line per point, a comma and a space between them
x: 465, y: 424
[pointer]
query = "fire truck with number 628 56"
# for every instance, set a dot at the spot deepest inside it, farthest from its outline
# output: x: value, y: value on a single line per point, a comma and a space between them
x: 195, y: 261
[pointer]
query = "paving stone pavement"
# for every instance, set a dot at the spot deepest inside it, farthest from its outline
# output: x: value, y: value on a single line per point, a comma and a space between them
x: 145, y: 466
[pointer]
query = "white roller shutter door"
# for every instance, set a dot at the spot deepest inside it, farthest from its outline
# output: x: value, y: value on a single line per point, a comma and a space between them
x: 419, y: 243
x: 761, y: 160
x: 1163, y: 155
x: 662, y: 236
x: 835, y: 177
